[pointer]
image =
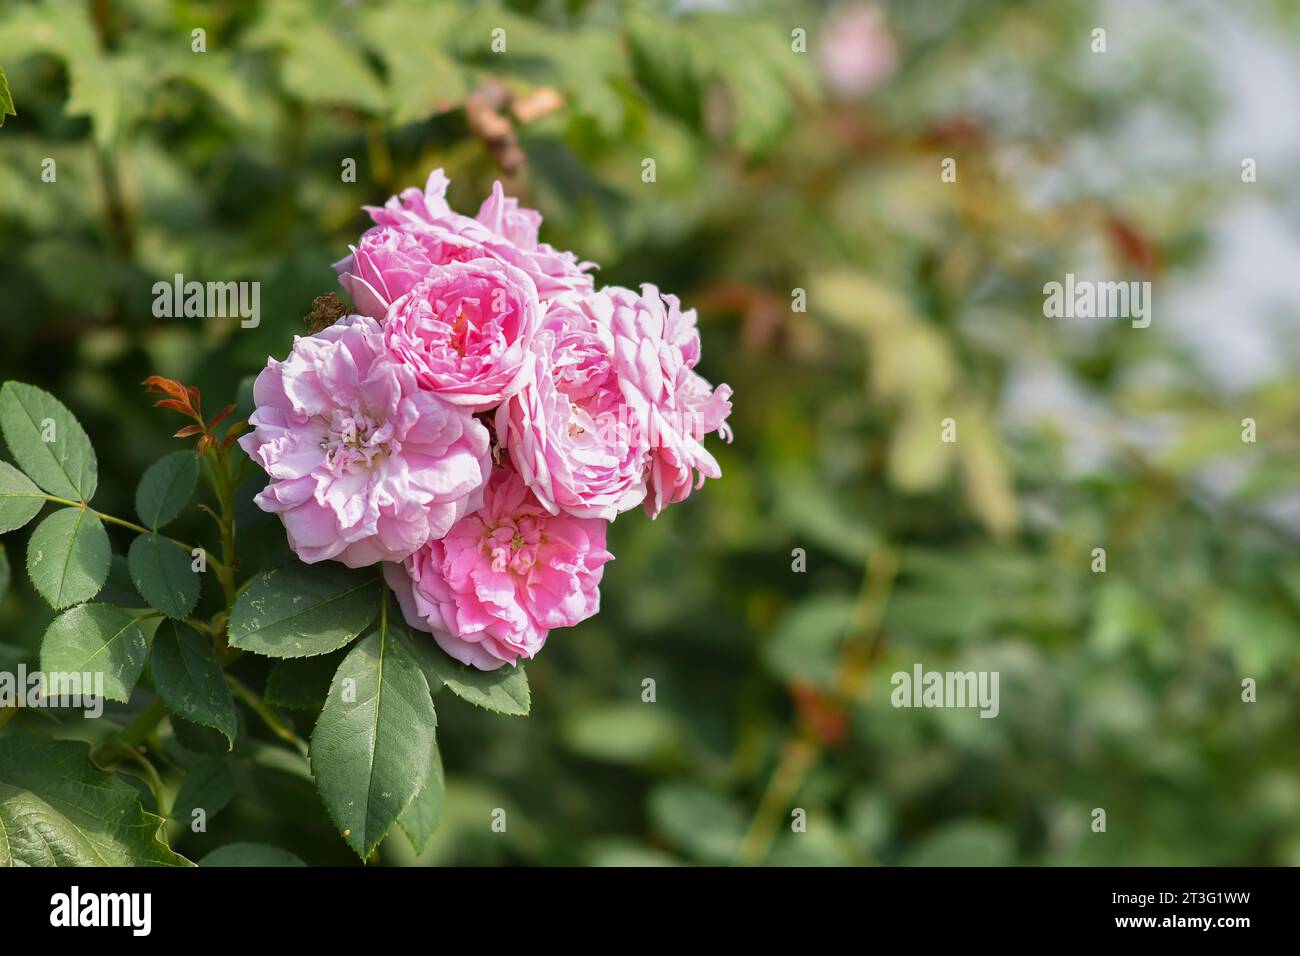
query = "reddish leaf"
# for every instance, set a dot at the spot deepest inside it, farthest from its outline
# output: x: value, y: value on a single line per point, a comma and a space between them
x: 175, y: 406
x: 166, y: 386
x: 212, y: 425
x: 188, y: 431
x: 1133, y: 247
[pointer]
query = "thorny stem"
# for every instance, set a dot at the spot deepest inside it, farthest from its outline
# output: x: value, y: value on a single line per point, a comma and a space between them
x: 852, y: 667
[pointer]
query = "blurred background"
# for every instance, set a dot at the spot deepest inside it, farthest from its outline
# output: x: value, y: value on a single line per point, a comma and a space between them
x: 853, y: 299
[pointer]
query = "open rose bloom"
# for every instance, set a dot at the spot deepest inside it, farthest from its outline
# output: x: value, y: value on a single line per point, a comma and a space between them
x: 372, y: 432
x: 365, y: 465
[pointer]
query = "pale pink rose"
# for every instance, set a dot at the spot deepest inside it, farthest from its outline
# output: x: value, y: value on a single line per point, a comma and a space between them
x: 365, y: 465
x: 503, y: 230
x: 656, y: 347
x: 492, y: 589
x: 465, y: 331
x: 569, y: 432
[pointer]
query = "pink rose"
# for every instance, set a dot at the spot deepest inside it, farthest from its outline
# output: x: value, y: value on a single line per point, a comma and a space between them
x: 503, y: 230
x: 656, y: 346
x: 413, y: 208
x: 465, y: 331
x: 388, y: 262
x: 504, y: 216
x: 569, y: 432
x: 493, y: 588
x: 365, y: 466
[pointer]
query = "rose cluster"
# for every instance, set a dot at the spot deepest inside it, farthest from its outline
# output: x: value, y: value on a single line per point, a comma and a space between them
x: 479, y: 422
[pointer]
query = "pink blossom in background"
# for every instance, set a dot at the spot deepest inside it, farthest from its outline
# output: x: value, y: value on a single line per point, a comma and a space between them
x: 857, y: 50
x: 466, y: 329
x: 567, y: 431
x: 503, y: 577
x: 365, y: 466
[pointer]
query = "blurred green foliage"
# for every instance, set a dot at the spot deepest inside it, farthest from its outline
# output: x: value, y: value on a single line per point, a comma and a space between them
x: 1119, y: 690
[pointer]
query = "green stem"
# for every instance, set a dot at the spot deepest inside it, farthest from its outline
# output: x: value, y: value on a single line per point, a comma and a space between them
x: 155, y: 781
x: 223, y: 487
x: 122, y: 522
x: 273, y: 723
x: 133, y: 733
x: 852, y: 667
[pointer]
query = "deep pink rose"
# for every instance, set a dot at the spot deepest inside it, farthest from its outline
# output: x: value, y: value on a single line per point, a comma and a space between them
x: 493, y: 588
x: 569, y: 432
x: 365, y: 465
x: 656, y: 347
x: 437, y: 235
x: 465, y: 330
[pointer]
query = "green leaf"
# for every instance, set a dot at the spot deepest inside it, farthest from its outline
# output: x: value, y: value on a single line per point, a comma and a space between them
x: 209, y: 786
x: 111, y: 91
x: 163, y: 574
x: 250, y: 854
x: 964, y: 843
x: 318, y: 67
x: 421, y: 76
x: 189, y: 678
x: 198, y: 739
x: 697, y: 821
x: 304, y: 610
x: 20, y: 500
x: 503, y: 691
x: 97, y: 639
x: 65, y: 465
x: 370, y: 751
x: 638, y: 734
x: 805, y: 642
x: 119, y: 589
x: 166, y: 488
x: 68, y: 557
x: 301, y: 683
x: 58, y: 809
x: 6, y: 100
x: 663, y: 64
x: 421, y: 818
